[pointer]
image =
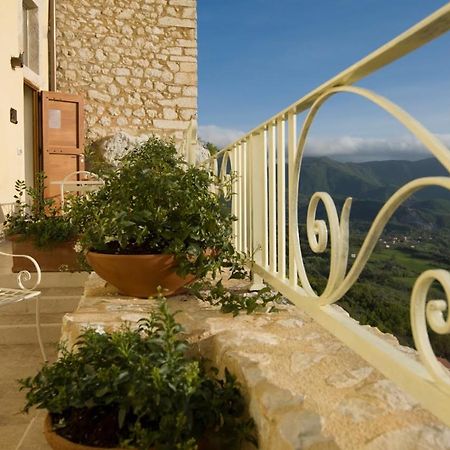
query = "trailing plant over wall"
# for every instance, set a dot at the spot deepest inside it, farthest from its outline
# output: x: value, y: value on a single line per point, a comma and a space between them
x: 138, y: 388
x: 37, y: 217
x: 235, y: 301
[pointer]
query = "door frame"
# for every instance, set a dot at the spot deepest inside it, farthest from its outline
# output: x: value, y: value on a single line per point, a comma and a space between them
x: 37, y: 159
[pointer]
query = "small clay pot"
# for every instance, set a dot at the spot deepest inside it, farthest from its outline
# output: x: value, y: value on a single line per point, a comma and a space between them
x: 57, y: 442
x: 139, y: 275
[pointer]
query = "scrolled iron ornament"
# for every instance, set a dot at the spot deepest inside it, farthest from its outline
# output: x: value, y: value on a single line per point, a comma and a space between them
x: 339, y: 281
x: 431, y: 313
x: 318, y: 233
x: 226, y: 178
x: 24, y: 276
x: 317, y: 230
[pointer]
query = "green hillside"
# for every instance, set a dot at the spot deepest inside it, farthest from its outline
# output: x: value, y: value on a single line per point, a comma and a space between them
x: 370, y: 184
x: 374, y: 180
x: 416, y: 238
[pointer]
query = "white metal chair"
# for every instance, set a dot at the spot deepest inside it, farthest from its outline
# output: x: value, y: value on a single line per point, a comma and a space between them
x: 72, y: 183
x: 5, y: 209
x: 9, y: 296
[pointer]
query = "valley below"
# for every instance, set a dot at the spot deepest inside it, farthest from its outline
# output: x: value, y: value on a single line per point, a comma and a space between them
x: 415, y: 239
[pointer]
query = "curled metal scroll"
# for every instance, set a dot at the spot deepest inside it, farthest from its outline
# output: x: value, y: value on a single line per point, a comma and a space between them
x: 24, y: 276
x: 226, y: 175
x: 431, y: 313
x: 317, y: 233
x: 212, y: 166
x: 338, y: 281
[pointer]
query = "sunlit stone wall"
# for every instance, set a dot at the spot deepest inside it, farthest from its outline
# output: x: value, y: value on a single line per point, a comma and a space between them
x: 134, y: 61
x: 305, y: 389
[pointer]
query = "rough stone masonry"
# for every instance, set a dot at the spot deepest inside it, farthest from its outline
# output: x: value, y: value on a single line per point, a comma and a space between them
x: 134, y: 61
x: 305, y: 389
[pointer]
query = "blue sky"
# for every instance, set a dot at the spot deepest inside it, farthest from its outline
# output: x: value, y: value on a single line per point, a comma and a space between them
x: 258, y: 56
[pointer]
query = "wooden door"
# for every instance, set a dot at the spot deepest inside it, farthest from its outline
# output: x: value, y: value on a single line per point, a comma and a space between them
x: 62, y: 137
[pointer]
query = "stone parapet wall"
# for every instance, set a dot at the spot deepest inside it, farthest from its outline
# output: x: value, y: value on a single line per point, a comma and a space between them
x: 134, y: 61
x: 305, y: 389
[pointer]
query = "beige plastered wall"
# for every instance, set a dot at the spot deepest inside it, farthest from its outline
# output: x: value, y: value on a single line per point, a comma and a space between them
x: 12, y: 163
x: 134, y: 62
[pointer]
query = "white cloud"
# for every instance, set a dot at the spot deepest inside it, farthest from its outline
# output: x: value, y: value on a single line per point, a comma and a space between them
x: 365, y: 149
x: 445, y: 138
x: 347, y: 148
x: 218, y: 135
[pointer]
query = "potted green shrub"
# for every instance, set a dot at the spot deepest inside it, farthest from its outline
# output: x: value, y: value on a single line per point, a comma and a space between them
x: 138, y: 389
x: 38, y: 228
x: 155, y: 222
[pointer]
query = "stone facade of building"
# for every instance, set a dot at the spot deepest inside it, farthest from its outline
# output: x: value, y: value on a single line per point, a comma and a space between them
x: 134, y: 61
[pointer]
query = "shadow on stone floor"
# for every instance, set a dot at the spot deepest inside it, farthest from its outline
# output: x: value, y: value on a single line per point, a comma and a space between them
x: 20, y: 431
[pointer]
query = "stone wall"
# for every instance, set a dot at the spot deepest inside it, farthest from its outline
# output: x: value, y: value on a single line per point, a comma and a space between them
x: 134, y: 61
x: 305, y: 389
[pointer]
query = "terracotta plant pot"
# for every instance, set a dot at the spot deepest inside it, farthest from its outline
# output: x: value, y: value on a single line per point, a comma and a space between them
x: 139, y: 275
x: 57, y: 442
x: 53, y: 259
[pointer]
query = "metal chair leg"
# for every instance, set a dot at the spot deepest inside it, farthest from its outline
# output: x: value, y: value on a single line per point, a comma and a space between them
x: 38, y: 330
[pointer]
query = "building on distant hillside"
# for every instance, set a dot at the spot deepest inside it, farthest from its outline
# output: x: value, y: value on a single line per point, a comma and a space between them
x: 116, y: 65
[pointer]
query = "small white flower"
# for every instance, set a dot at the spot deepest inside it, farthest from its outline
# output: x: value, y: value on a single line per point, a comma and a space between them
x: 77, y: 247
x: 99, y: 329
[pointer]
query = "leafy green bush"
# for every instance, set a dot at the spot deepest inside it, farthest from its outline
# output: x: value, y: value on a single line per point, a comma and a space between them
x: 137, y: 388
x: 155, y: 203
x: 41, y: 219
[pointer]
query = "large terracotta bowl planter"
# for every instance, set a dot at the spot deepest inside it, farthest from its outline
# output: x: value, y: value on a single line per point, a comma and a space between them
x: 58, y: 257
x: 139, y: 275
x: 57, y: 442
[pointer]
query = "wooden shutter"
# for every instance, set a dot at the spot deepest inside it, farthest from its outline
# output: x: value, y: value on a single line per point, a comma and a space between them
x: 62, y: 137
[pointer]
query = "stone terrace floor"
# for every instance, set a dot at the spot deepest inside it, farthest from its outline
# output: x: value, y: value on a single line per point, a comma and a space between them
x: 20, y: 431
x: 19, y: 352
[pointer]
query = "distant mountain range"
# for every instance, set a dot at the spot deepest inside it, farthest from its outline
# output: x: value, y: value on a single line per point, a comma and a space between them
x: 372, y: 183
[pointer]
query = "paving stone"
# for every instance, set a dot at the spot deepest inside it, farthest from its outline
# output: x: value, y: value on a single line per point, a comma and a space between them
x: 349, y: 378
x: 412, y: 438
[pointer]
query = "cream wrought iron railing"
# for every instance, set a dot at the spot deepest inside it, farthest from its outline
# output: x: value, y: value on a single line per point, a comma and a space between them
x: 260, y: 206
x: 190, y: 144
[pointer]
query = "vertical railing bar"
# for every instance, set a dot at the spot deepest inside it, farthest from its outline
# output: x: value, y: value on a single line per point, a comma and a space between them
x: 243, y: 176
x: 213, y: 169
x: 241, y: 197
x: 281, y: 184
x: 292, y: 143
x: 237, y: 194
x: 264, y: 241
x: 272, y: 199
x: 235, y: 198
x: 248, y: 197
x: 250, y: 238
